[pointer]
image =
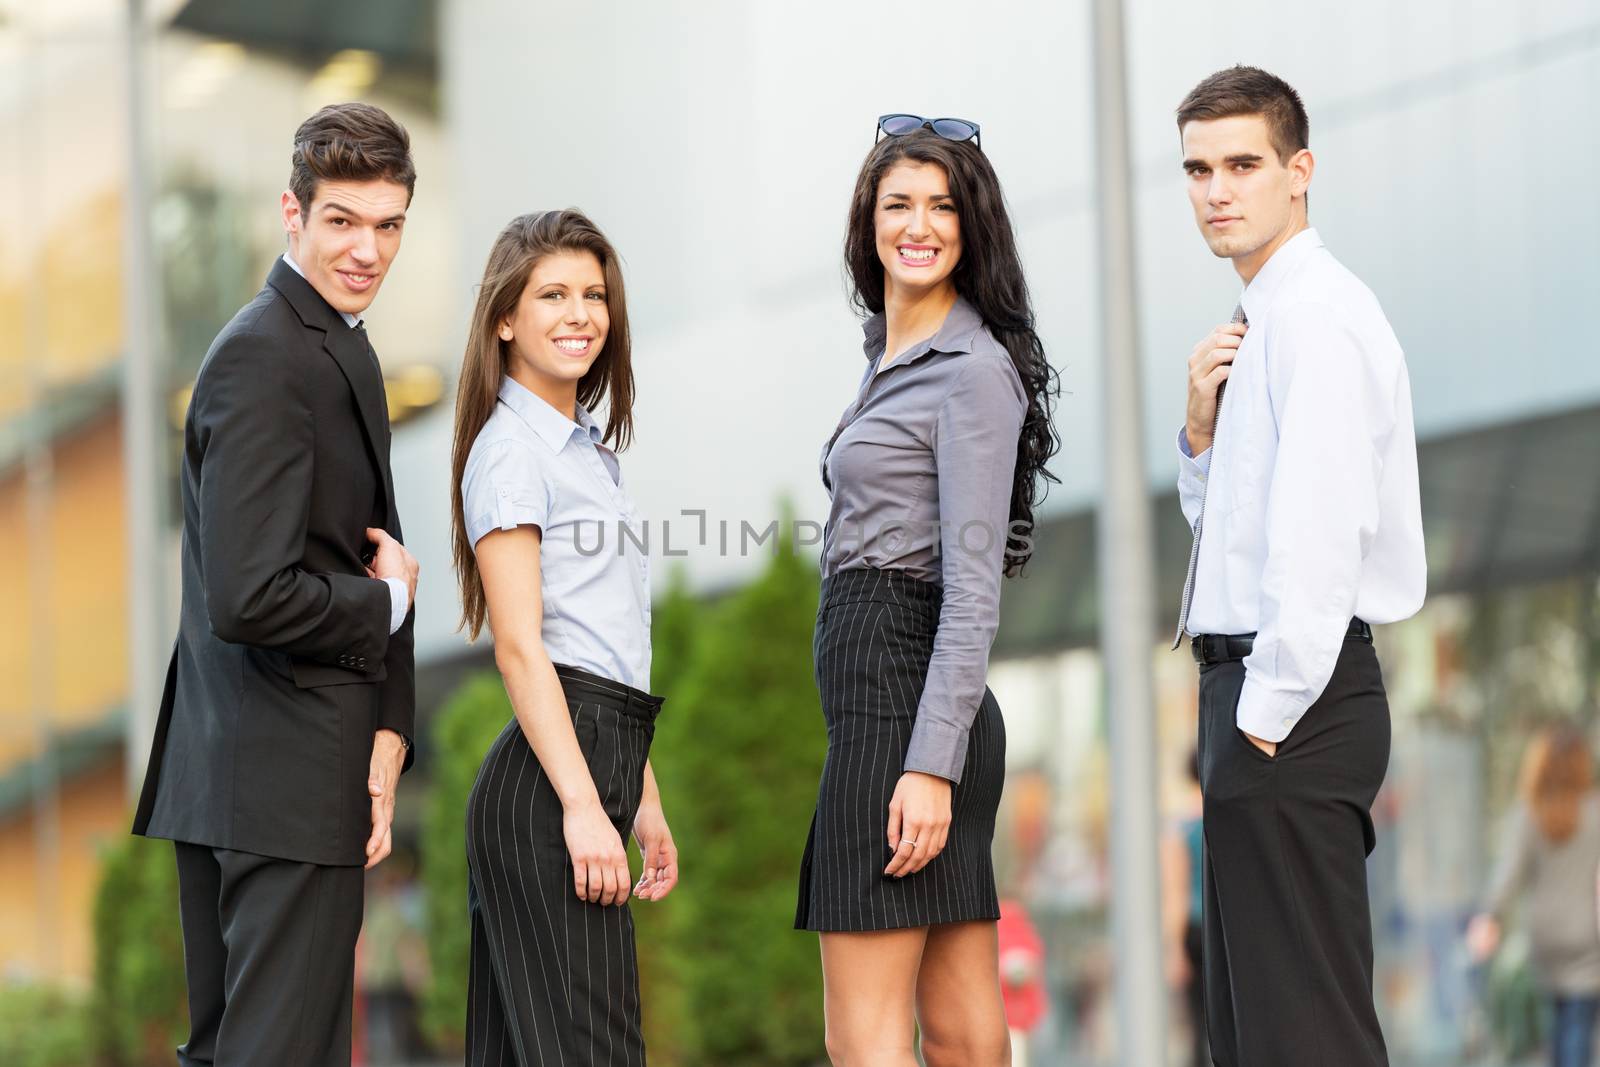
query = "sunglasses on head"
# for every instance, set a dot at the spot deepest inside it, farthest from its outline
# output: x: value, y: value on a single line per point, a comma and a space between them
x: 949, y: 129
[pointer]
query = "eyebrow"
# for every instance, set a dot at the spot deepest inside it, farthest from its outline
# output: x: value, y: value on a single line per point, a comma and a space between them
x: 1241, y: 157
x: 905, y: 196
x: 335, y: 206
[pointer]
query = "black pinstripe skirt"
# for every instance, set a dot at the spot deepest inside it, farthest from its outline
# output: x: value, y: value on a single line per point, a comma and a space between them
x: 554, y: 980
x: 874, y: 638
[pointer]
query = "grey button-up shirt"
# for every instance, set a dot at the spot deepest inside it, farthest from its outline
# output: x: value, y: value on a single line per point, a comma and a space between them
x: 920, y: 472
x: 532, y: 465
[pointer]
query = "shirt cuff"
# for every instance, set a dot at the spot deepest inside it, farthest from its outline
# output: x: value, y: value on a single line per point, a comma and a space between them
x: 397, y: 603
x: 937, y: 748
x: 1265, y: 714
x: 1200, y: 465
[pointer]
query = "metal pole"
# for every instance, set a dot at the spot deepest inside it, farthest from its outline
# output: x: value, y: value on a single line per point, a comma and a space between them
x: 142, y: 434
x: 1126, y: 569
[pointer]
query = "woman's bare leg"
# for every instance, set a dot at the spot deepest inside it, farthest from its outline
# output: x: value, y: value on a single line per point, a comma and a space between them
x: 959, y: 1009
x: 869, y: 984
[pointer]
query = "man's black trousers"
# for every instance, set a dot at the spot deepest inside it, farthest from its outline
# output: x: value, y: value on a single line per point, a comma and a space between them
x: 269, y: 948
x: 1287, y: 953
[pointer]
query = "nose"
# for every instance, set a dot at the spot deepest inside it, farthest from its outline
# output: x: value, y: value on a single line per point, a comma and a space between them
x: 364, y: 250
x: 920, y: 225
x: 1218, y: 193
x: 577, y: 312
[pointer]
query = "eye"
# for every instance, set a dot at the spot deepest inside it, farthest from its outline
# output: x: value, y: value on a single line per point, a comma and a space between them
x: 946, y: 207
x: 896, y: 206
x: 595, y: 295
x: 337, y: 222
x: 554, y: 294
x: 1244, y: 166
x: 389, y: 226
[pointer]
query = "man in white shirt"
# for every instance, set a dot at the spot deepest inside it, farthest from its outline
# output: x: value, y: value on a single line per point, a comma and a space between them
x: 1299, y: 478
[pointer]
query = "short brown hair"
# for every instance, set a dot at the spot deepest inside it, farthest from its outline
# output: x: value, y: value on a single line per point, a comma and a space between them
x: 352, y: 143
x: 1245, y: 90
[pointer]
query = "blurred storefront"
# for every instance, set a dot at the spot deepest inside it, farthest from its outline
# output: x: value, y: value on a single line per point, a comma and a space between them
x: 1509, y: 639
x: 226, y: 86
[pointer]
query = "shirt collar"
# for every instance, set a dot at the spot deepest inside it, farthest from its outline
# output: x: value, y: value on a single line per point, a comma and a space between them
x: 349, y: 319
x: 555, y: 428
x: 954, y: 335
x: 1269, y: 279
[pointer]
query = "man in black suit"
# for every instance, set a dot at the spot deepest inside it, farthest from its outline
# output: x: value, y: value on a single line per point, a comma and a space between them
x: 288, y: 710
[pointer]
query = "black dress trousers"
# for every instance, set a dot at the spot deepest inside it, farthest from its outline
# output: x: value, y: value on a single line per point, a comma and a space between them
x: 554, y: 979
x: 1287, y: 958
x: 269, y: 947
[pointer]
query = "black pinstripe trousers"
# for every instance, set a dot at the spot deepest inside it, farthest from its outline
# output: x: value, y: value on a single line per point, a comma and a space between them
x: 874, y: 639
x: 554, y: 979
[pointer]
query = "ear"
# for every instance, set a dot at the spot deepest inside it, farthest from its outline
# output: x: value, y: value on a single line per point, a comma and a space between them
x: 506, y: 333
x: 1301, y: 166
x: 293, y: 221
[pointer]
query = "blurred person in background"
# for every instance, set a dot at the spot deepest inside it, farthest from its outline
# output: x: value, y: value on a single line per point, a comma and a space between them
x: 288, y: 710
x: 1301, y: 489
x: 932, y: 469
x: 392, y: 962
x: 538, y: 504
x: 1183, y: 894
x: 1550, y: 857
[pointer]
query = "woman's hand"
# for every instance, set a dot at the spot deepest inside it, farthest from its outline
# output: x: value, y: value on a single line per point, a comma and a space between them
x: 599, y: 862
x: 660, y: 854
x: 919, y: 822
x: 1483, y: 937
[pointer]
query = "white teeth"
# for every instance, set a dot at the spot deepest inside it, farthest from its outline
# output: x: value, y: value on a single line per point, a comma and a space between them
x: 572, y: 346
x: 918, y: 253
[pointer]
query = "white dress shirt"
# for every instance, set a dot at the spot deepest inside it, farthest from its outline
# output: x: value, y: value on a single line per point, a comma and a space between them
x: 398, y: 596
x: 1312, y: 515
x: 531, y: 465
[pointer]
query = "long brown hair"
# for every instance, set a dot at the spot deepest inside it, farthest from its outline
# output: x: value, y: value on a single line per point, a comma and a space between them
x: 989, y: 275
x: 526, y: 240
x: 1557, y: 773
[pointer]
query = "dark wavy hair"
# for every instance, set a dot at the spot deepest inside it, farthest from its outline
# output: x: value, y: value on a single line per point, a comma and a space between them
x: 989, y: 276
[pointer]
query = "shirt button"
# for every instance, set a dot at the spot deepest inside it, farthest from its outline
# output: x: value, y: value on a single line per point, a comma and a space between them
x: 1288, y: 721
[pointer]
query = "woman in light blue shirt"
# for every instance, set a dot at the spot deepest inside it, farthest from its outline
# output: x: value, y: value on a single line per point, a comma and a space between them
x: 539, y: 509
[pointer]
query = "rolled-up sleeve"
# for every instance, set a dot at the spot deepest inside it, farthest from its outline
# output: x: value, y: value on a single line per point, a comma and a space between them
x: 503, y: 487
x: 975, y: 453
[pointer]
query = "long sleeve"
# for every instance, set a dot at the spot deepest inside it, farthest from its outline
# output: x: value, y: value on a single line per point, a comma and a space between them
x: 1512, y: 858
x: 1335, y: 411
x: 975, y: 453
x: 397, y: 693
x: 256, y: 435
x: 1192, y: 472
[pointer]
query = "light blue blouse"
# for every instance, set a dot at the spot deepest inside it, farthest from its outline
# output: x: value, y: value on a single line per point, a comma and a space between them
x: 532, y: 465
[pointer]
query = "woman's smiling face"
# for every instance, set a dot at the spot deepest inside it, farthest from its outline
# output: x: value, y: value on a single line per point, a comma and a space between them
x: 561, y: 319
x: 918, y: 228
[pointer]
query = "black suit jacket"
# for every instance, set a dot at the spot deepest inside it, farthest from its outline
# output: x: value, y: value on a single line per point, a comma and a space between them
x: 284, y: 666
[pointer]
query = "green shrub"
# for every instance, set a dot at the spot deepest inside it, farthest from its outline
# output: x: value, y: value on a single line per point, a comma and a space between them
x: 43, y: 1027
x: 738, y: 752
x: 140, y: 1009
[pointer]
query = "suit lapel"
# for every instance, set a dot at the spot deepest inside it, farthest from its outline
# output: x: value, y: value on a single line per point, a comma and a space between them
x: 350, y: 350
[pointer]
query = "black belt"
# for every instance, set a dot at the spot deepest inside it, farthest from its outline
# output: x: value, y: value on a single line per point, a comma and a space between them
x: 1221, y: 648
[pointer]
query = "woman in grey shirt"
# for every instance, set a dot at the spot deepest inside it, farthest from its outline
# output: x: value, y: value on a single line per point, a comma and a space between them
x: 1551, y: 855
x: 933, y: 472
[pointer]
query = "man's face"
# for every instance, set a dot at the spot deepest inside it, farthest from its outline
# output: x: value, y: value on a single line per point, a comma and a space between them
x: 346, y: 241
x: 1244, y: 196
